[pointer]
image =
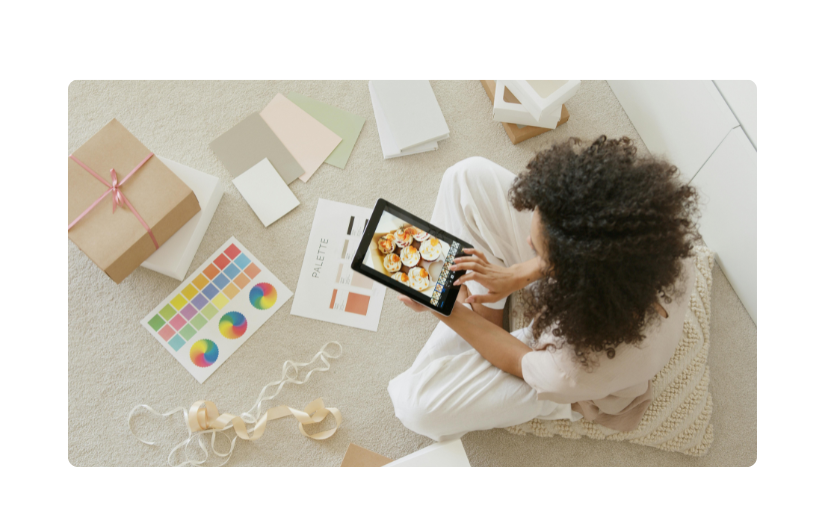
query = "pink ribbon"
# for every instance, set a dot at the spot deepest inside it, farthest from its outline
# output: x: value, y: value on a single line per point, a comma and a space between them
x: 118, y: 198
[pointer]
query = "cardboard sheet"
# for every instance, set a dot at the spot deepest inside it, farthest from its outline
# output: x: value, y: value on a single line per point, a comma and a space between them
x: 251, y: 140
x: 266, y: 192
x: 175, y: 256
x: 388, y: 146
x: 309, y: 141
x: 412, y: 112
x: 345, y: 125
x: 211, y: 314
x: 360, y: 457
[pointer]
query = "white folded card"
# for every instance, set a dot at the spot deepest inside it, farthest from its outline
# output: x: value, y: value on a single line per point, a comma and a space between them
x: 175, y: 256
x: 265, y: 192
x: 443, y: 454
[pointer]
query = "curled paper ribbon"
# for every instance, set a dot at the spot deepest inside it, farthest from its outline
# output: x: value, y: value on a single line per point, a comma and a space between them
x: 202, y: 417
x: 118, y: 198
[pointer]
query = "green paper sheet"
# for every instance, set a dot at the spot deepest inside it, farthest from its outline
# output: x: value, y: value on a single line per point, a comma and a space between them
x: 344, y: 124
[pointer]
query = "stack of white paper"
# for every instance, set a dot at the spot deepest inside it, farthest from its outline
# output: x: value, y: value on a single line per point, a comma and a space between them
x: 408, y: 117
x: 175, y: 256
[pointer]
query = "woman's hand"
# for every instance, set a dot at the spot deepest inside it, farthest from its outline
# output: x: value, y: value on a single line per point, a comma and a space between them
x: 415, y: 306
x: 499, y: 281
x: 412, y: 305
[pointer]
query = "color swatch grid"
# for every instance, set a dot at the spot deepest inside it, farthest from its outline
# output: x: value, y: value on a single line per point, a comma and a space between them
x: 216, y: 309
x: 200, y: 301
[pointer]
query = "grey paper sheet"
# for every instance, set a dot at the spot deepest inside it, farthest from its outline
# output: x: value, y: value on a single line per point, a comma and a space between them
x: 251, y: 141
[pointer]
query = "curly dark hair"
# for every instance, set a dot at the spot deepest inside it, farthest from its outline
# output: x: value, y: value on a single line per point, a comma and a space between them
x: 616, y: 228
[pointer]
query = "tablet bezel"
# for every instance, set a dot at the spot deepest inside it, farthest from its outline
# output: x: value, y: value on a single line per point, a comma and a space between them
x: 363, y: 248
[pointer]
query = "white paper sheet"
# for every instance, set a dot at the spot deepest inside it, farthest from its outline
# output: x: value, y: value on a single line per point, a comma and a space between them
x: 443, y: 454
x: 265, y: 192
x: 388, y: 145
x: 175, y: 256
x: 189, y: 321
x: 328, y: 289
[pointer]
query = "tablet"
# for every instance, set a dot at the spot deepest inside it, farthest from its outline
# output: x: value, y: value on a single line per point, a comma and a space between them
x: 410, y: 256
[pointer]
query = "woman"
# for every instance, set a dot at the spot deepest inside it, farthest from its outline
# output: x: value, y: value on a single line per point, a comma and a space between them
x: 603, y: 239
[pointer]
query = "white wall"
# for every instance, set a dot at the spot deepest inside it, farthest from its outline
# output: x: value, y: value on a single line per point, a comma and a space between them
x: 684, y: 121
x: 727, y: 183
x: 741, y: 97
x: 708, y: 130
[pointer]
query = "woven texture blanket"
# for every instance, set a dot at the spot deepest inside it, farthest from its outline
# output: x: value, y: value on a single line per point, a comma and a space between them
x: 678, y: 418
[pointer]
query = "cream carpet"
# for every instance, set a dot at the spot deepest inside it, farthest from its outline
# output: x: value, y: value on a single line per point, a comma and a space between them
x: 114, y: 364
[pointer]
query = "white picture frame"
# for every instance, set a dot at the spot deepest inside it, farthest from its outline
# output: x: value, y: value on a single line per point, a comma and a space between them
x: 539, y: 97
x: 506, y: 112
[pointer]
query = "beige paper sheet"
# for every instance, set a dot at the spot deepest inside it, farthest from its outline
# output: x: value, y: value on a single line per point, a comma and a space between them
x: 251, y: 141
x: 309, y: 141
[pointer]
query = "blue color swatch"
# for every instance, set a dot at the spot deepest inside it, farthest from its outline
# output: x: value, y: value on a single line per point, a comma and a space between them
x: 176, y: 342
x: 242, y: 261
x: 210, y: 291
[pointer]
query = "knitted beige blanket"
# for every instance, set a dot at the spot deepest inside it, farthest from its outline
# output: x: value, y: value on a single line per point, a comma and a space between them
x: 678, y: 419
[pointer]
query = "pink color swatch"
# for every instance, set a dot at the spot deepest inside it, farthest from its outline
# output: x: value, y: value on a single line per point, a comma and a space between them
x: 178, y: 322
x: 309, y: 141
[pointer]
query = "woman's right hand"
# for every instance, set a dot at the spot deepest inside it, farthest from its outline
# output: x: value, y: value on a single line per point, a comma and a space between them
x: 499, y: 281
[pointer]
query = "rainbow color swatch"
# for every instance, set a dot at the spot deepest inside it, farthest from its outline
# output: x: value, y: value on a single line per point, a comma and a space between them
x: 202, y: 297
x: 204, y: 353
x: 210, y: 315
x: 263, y: 296
x: 232, y: 325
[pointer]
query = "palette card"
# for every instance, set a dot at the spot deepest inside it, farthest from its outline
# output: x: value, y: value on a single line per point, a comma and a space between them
x: 216, y: 309
x: 345, y: 125
x: 309, y: 141
x: 251, y: 140
x: 388, y: 146
x: 328, y: 289
x: 266, y: 192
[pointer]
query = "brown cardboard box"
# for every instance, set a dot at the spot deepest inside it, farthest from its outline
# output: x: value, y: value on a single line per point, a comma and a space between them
x: 117, y: 242
x: 515, y: 133
x: 360, y: 457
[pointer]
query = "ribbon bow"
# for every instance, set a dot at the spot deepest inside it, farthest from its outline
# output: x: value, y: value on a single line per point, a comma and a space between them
x: 118, y: 198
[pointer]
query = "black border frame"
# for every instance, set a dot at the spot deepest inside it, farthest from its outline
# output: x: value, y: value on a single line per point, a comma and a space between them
x: 357, y: 265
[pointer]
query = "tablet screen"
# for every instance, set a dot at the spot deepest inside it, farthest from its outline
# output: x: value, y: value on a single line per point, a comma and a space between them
x: 413, y: 253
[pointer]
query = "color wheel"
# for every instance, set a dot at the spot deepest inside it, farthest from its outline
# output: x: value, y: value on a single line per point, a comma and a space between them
x: 232, y: 325
x: 263, y: 296
x: 204, y: 353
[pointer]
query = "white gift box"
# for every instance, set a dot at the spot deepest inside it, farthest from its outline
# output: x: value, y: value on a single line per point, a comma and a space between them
x: 541, y: 97
x: 175, y: 256
x: 508, y: 112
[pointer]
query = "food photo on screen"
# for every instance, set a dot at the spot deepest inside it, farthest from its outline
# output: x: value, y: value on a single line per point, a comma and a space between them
x: 411, y: 256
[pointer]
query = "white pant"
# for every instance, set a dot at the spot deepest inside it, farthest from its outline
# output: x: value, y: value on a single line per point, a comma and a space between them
x: 450, y: 389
